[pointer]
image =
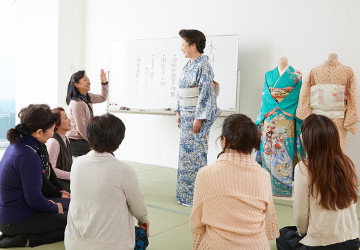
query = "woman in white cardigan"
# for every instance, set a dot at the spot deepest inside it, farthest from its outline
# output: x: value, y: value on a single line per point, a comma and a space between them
x: 325, y: 193
x: 105, y: 194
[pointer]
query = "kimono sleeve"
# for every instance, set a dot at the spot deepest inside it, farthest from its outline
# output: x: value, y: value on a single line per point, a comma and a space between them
x: 304, y: 110
x: 177, y: 108
x: 352, y: 106
x: 262, y: 112
x: 206, y: 100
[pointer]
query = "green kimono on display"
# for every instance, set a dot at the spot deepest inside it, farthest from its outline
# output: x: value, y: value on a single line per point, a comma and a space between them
x: 281, y: 148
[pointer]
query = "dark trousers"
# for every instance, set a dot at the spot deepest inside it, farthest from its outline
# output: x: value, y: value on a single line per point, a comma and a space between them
x: 64, y: 202
x: 289, y: 240
x: 41, y: 228
x: 66, y: 184
x: 79, y: 147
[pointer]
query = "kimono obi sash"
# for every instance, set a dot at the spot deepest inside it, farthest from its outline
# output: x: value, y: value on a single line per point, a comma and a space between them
x: 280, y: 94
x: 328, y: 99
x: 188, y: 96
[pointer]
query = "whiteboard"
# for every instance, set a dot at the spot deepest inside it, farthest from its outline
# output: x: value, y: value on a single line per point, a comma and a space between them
x: 145, y: 73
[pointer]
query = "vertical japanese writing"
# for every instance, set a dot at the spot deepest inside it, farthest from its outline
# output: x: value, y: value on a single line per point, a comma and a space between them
x: 163, y: 70
x: 152, y: 67
x: 137, y: 73
x: 173, y: 75
x: 146, y: 75
x: 212, y: 55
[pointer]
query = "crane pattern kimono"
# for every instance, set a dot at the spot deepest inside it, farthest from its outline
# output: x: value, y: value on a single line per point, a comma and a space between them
x: 193, y: 147
x: 281, y: 147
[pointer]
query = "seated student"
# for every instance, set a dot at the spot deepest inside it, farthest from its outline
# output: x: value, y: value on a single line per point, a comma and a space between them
x: 233, y: 206
x: 59, y: 148
x: 52, y: 188
x: 26, y: 216
x: 105, y: 194
x: 325, y: 193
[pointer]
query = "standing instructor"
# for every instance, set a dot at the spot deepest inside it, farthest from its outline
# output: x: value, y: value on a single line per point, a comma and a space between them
x: 80, y: 102
x: 196, y: 111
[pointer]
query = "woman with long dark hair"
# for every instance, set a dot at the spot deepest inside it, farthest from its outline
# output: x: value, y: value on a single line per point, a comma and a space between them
x: 233, y: 205
x: 26, y: 216
x: 80, y: 102
x: 325, y: 195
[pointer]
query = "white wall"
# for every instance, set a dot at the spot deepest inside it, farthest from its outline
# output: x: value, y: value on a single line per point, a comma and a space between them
x: 7, y: 48
x: 71, y: 44
x: 36, y: 52
x: 49, y: 49
x: 306, y: 32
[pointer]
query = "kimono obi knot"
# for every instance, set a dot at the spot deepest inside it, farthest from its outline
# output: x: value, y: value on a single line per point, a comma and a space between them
x: 328, y: 99
x: 188, y: 96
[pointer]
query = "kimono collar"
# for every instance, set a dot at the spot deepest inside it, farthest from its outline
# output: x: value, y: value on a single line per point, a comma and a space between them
x: 276, y: 71
x: 276, y: 74
x: 201, y: 58
x: 331, y: 63
x: 282, y: 71
x: 290, y: 102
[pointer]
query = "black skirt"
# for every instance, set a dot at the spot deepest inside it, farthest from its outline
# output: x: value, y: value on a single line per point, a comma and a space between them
x: 290, y: 240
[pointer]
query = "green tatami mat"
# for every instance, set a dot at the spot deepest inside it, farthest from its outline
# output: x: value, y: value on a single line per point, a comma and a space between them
x: 169, y: 221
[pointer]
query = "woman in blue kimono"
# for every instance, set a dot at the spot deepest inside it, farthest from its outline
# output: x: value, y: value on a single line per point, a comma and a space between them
x: 281, y: 148
x: 196, y: 111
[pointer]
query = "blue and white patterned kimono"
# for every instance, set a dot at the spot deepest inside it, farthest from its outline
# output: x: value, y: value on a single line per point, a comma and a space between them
x: 196, y: 100
x: 280, y: 148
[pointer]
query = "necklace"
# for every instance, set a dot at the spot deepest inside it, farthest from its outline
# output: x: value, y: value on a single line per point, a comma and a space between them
x: 31, y: 148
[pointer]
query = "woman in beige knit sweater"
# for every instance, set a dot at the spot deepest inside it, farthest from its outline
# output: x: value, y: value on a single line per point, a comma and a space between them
x: 233, y: 206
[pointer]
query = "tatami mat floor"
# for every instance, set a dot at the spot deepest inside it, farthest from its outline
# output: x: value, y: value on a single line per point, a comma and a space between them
x: 169, y: 221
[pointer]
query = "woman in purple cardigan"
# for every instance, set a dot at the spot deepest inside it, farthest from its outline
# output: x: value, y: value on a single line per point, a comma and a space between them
x: 27, y: 218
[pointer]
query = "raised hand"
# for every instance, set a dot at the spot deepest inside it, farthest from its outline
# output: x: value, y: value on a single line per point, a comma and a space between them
x: 103, y: 77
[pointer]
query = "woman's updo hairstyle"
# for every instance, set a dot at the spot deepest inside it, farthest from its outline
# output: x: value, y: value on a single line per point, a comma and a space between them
x: 57, y: 114
x: 194, y: 36
x: 241, y: 134
x: 32, y: 118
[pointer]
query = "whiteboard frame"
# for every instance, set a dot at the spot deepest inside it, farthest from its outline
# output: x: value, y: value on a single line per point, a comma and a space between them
x: 224, y: 113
